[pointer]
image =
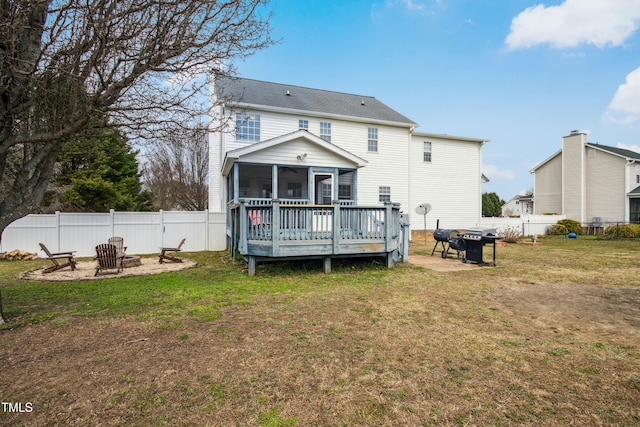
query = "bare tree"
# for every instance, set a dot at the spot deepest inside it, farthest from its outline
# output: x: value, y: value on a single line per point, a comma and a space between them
x: 65, y: 63
x: 176, y: 170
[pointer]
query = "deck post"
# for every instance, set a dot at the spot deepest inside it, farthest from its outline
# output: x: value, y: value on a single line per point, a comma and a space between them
x: 404, y: 231
x: 251, y: 269
x: 244, y: 226
x: 391, y: 259
x: 275, y: 227
x: 327, y: 264
x: 335, y: 229
x: 388, y: 230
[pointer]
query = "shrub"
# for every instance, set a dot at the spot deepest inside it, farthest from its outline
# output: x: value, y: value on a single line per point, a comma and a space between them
x: 557, y: 230
x: 510, y: 234
x: 623, y: 231
x: 572, y: 225
x: 565, y: 226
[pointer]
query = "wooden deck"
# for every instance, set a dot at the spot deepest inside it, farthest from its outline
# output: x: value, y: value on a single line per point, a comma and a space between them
x: 278, y: 231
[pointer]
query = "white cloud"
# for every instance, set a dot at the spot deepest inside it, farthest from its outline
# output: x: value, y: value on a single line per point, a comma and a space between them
x: 575, y: 22
x: 411, y: 5
x: 635, y: 148
x: 625, y: 105
x: 494, y: 172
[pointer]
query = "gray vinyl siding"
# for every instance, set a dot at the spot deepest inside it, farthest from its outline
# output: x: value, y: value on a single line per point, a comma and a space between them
x: 548, y: 187
x: 606, y: 196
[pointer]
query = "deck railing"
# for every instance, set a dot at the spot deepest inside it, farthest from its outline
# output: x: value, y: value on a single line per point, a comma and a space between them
x: 257, y: 222
x: 279, y: 230
x: 316, y: 222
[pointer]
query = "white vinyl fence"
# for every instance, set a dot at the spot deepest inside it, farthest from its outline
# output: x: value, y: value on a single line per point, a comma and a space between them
x: 527, y: 224
x: 143, y: 232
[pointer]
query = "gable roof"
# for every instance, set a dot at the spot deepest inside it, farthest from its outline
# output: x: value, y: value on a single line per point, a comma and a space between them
x: 276, y: 96
x: 623, y: 152
x: 232, y: 156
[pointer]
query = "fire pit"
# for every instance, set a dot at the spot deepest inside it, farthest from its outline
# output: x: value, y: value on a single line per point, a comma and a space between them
x: 131, y: 261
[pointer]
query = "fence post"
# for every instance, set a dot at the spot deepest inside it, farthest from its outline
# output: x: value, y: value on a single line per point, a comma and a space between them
x: 58, y: 233
x: 161, y: 224
x: 206, y: 229
x: 112, y: 219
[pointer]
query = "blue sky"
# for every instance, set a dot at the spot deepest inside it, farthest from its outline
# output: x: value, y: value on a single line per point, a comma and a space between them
x: 520, y: 73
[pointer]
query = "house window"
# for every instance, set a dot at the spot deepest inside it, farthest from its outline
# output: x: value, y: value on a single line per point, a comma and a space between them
x: 325, y: 131
x: 247, y: 127
x: 384, y: 194
x: 426, y: 152
x: 303, y: 124
x: 372, y: 144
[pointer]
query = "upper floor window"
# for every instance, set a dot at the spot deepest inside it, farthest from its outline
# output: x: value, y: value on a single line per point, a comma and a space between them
x: 384, y: 194
x: 247, y: 127
x: 303, y: 124
x: 426, y: 153
x: 325, y: 131
x: 372, y: 144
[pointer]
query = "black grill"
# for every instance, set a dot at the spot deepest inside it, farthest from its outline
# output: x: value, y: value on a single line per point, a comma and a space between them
x: 476, y: 239
x: 448, y: 239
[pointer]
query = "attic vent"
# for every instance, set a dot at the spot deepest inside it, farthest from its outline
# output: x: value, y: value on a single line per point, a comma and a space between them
x: 362, y: 102
x: 288, y: 94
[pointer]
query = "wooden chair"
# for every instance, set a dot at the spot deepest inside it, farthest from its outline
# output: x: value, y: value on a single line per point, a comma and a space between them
x: 108, y: 258
x: 118, y: 242
x: 170, y: 254
x: 56, y: 257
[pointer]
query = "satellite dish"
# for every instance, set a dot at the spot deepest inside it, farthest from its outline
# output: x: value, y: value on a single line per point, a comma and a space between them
x: 423, y: 209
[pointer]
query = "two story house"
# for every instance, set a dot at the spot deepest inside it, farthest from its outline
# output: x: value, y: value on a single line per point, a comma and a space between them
x: 297, y: 146
x: 590, y: 183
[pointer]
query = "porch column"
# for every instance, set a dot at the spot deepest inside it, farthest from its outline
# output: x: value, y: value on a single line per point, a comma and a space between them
x: 236, y: 182
x: 274, y: 182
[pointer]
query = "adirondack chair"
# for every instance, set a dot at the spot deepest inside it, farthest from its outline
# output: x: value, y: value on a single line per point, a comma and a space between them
x: 118, y: 242
x: 108, y: 258
x: 170, y: 254
x: 56, y: 259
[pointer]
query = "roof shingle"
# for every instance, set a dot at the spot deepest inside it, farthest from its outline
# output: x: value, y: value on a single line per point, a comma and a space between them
x: 276, y: 95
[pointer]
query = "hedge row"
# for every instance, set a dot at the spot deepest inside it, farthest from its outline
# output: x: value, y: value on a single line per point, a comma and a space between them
x: 623, y: 231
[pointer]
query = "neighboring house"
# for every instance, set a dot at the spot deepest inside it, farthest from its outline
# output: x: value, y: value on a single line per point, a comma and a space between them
x: 520, y: 204
x: 590, y: 183
x: 304, y: 146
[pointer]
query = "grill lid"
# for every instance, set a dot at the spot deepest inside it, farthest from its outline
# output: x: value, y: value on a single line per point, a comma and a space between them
x: 443, y: 235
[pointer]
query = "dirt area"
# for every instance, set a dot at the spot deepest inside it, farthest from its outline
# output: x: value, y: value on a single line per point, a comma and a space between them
x: 587, y: 309
x: 437, y: 263
x: 592, y: 311
x: 85, y: 270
